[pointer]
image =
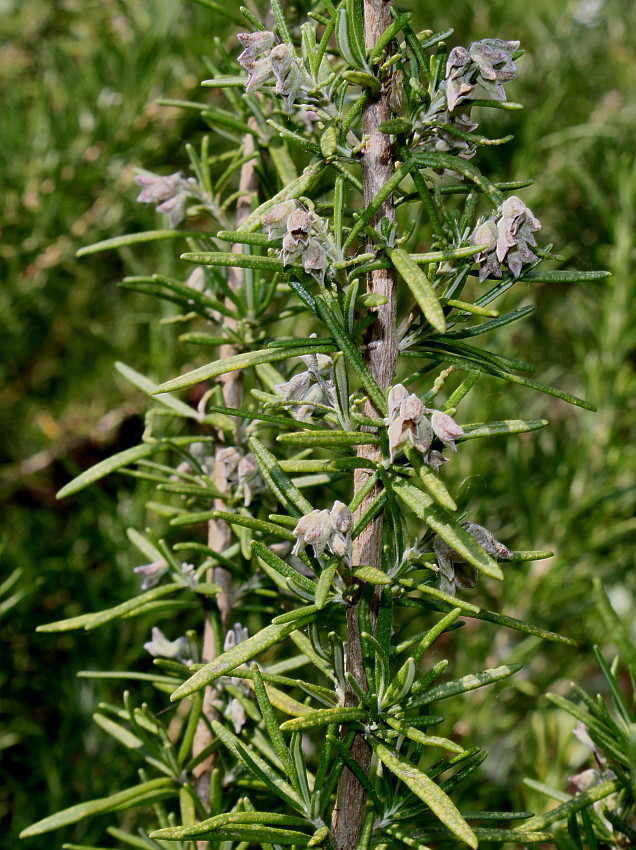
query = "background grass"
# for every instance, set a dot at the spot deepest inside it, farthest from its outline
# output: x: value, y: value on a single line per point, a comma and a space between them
x: 79, y: 80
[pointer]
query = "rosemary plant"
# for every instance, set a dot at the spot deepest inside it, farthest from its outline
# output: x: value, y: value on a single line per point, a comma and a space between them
x: 344, y: 250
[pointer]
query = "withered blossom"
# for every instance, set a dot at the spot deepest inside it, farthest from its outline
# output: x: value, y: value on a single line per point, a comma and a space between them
x: 509, y: 235
x: 454, y: 570
x: 304, y: 237
x: 325, y: 529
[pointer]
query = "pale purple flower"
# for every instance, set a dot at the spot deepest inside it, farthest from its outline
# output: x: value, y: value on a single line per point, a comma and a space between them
x: 255, y: 58
x: 325, y: 529
x: 160, y: 647
x: 445, y: 428
x: 152, y: 573
x: 249, y: 478
x: 509, y: 235
x: 493, y: 58
x: 170, y: 193
x: 406, y: 423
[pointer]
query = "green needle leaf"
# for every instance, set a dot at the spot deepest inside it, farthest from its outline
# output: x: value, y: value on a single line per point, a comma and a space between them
x: 239, y: 654
x: 448, y: 528
x: 138, y: 795
x: 421, y: 288
x: 324, y: 717
x: 232, y: 364
x: 423, y: 787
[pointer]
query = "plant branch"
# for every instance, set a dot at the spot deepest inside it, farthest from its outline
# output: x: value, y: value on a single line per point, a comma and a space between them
x: 219, y: 532
x: 377, y: 169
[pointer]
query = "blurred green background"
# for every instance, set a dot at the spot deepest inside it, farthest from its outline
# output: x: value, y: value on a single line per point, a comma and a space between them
x: 80, y: 79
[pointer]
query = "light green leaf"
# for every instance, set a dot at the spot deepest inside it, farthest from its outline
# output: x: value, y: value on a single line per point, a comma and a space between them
x: 575, y: 804
x: 323, y: 717
x: 323, y: 586
x: 258, y: 766
x: 432, y: 483
x: 238, y: 236
x: 105, y: 467
x: 231, y: 364
x: 296, y: 614
x: 427, y: 740
x: 421, y: 288
x: 147, y: 386
x: 271, y: 724
x: 148, y: 549
x: 276, y: 563
x: 125, y: 609
x: 239, y: 654
x: 423, y: 787
x: 224, y: 82
x: 138, y: 795
x: 239, y: 261
x: 136, y: 239
x: 371, y: 575
x: 119, y: 732
x: 278, y: 481
x: 448, y: 528
x: 562, y: 276
x: 475, y: 430
x: 466, y: 683
x: 329, y: 437
x: 206, y: 827
x: 428, y: 590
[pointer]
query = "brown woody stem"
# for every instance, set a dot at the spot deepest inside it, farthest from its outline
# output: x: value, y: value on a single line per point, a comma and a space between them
x: 219, y: 533
x: 377, y: 168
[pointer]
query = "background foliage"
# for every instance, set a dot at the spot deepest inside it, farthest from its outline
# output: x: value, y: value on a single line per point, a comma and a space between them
x: 71, y: 141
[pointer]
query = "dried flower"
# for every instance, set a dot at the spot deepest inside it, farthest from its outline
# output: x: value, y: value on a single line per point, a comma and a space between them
x: 458, y: 87
x: 454, y: 570
x: 407, y: 423
x: 509, y: 234
x: 314, y: 259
